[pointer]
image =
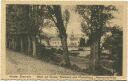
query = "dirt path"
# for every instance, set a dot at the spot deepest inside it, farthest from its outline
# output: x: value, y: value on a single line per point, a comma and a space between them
x: 18, y: 63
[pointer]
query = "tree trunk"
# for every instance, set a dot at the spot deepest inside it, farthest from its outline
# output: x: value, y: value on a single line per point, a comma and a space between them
x: 21, y: 45
x: 94, y: 58
x: 34, y: 47
x: 65, y: 50
x: 62, y: 31
x: 7, y: 43
x: 29, y: 44
x: 40, y: 40
x: 10, y: 44
x: 13, y: 44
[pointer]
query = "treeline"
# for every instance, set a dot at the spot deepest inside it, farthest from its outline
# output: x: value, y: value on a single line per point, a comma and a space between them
x: 24, y: 24
x: 22, y: 27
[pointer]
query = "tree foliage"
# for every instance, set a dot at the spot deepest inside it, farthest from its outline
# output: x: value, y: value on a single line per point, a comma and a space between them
x: 95, y: 19
x: 66, y: 16
x: 114, y: 43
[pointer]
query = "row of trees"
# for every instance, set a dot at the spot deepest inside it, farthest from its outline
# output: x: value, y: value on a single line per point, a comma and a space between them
x: 25, y: 22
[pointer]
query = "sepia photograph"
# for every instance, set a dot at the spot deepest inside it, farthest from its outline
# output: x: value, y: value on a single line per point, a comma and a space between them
x: 64, y: 39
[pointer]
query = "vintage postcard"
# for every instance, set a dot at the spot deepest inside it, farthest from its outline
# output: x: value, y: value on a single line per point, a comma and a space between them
x: 74, y: 40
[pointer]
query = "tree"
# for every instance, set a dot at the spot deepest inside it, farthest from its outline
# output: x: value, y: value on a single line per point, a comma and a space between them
x: 95, y: 19
x: 37, y: 15
x: 56, y: 15
x: 66, y: 17
x: 26, y: 22
x: 15, y: 26
x: 114, y: 43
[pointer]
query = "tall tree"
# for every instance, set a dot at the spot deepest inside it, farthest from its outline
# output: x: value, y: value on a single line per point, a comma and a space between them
x: 56, y: 15
x: 95, y: 21
x: 36, y: 19
x: 15, y: 24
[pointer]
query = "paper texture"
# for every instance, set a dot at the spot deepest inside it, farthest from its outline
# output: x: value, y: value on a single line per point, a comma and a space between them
x: 59, y: 40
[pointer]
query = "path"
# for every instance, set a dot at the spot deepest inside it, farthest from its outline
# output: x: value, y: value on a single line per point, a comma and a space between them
x: 18, y: 63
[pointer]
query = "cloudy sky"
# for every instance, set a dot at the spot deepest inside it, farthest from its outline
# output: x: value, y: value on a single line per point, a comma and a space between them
x: 75, y: 20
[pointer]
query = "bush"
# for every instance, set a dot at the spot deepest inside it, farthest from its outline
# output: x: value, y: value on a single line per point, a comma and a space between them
x: 50, y: 55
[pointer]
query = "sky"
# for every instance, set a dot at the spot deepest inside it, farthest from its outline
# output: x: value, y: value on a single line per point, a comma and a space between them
x: 74, y: 22
x: 74, y: 25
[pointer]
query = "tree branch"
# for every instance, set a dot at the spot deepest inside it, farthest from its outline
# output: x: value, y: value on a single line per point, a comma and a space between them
x: 51, y: 14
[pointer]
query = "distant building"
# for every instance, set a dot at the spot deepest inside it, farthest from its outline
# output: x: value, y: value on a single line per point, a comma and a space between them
x: 72, y: 41
x: 55, y: 41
